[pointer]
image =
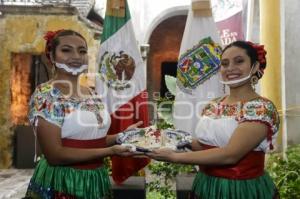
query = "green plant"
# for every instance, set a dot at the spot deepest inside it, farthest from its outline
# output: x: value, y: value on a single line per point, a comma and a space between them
x: 108, y: 164
x: 286, y: 172
x: 154, y: 195
x: 166, y: 173
x: 162, y: 185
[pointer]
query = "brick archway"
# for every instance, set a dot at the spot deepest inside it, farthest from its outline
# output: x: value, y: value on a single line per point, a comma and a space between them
x: 164, y: 43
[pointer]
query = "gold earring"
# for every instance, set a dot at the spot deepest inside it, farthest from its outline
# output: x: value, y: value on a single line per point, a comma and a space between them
x: 53, y: 70
x: 254, y: 81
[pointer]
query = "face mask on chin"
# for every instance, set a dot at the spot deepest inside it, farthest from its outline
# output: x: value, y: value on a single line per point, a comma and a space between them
x: 72, y: 70
x: 236, y: 81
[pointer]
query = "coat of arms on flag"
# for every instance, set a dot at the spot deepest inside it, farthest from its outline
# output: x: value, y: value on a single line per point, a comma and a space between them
x: 121, y: 81
x: 198, y: 64
x: 116, y: 69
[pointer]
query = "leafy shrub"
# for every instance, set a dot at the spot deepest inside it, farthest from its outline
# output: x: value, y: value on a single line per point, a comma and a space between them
x: 286, y: 172
x: 166, y: 173
x: 162, y: 186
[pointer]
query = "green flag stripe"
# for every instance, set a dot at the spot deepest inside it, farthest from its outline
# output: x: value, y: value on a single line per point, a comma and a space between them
x: 113, y: 24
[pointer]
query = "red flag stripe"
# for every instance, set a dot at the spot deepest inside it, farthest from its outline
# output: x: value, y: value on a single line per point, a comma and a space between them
x: 133, y: 111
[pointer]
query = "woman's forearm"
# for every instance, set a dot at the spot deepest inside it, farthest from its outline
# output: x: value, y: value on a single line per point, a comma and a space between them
x: 67, y: 155
x: 215, y: 156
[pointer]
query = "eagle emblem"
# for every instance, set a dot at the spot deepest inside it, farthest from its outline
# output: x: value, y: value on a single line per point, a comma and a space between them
x: 117, y: 69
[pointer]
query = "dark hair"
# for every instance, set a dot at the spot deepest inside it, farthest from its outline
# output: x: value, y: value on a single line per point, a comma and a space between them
x: 252, y: 52
x: 53, y: 42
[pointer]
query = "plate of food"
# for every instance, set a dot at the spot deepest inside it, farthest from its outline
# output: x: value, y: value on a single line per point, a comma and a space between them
x: 176, y: 139
x: 150, y: 138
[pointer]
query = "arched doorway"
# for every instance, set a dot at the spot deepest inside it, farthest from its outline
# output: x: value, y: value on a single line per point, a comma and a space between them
x: 164, y: 43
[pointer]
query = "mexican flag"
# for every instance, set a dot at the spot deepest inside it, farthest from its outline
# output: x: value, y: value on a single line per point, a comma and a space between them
x: 198, y: 65
x: 121, y: 81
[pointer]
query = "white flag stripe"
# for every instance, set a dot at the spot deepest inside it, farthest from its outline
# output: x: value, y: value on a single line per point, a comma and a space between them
x: 196, y: 29
x: 122, y: 40
x: 188, y: 107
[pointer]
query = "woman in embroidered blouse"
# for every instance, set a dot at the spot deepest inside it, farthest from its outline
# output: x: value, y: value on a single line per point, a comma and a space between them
x: 233, y: 133
x: 70, y: 123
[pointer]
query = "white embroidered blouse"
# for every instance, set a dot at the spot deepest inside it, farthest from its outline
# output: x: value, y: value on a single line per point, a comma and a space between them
x: 219, y: 120
x: 80, y: 119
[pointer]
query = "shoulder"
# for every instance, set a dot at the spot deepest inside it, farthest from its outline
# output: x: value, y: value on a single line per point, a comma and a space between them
x: 44, y: 103
x: 260, y: 106
x: 261, y: 110
x: 44, y: 89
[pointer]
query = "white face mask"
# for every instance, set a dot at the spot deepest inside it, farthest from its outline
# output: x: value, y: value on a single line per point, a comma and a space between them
x: 72, y: 70
x: 236, y: 81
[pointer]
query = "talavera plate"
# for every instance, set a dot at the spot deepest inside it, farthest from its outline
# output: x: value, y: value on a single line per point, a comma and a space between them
x: 150, y: 138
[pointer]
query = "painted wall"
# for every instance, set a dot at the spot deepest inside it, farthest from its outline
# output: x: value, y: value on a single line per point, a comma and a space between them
x: 291, y: 72
x: 20, y: 33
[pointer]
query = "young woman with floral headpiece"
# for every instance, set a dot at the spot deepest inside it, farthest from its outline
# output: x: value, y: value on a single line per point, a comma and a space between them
x: 234, y: 132
x: 71, y: 124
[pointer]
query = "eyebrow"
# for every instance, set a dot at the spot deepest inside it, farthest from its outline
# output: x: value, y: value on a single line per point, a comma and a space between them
x: 239, y: 56
x: 69, y: 46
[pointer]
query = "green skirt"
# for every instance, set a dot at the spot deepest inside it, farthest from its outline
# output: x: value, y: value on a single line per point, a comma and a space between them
x: 210, y: 187
x: 49, y: 182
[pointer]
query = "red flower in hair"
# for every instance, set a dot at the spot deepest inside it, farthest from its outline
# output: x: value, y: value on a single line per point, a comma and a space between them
x: 261, y: 52
x: 49, y: 36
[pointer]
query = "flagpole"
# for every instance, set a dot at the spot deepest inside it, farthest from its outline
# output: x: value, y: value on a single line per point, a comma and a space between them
x: 250, y: 11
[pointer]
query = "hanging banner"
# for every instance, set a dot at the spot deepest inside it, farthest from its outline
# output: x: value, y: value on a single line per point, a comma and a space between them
x: 228, y: 15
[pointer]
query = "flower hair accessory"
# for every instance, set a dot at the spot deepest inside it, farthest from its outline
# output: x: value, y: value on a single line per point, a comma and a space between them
x: 261, y: 56
x: 49, y: 36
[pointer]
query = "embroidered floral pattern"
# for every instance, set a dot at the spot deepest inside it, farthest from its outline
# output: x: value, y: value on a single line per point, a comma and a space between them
x: 259, y: 109
x: 49, y: 103
x: 95, y: 106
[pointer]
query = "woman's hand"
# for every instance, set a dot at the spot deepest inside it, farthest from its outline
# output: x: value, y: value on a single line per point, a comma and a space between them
x: 163, y: 154
x: 136, y: 125
x: 121, y: 150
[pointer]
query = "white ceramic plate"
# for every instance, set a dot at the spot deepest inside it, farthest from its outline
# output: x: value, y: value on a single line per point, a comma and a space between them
x: 147, y: 139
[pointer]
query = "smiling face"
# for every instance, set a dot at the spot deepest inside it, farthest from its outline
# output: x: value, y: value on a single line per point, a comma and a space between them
x: 235, y: 65
x: 72, y: 51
